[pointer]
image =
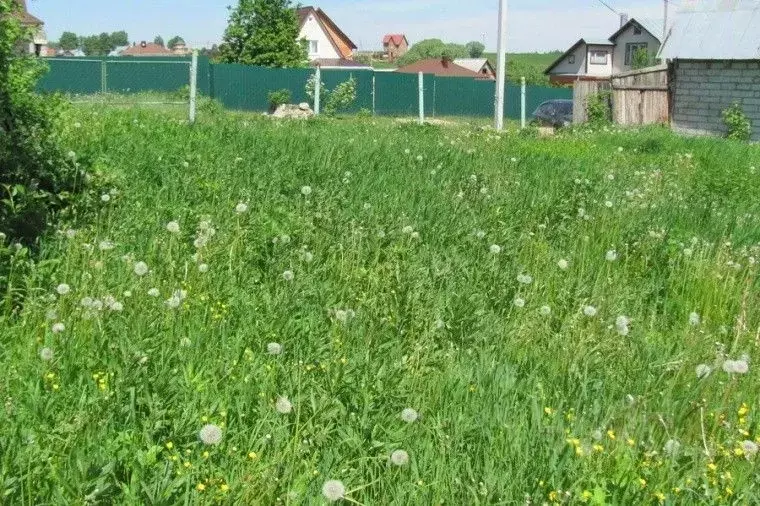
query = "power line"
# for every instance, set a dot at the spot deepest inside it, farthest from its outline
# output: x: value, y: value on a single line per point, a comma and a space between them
x: 608, y: 6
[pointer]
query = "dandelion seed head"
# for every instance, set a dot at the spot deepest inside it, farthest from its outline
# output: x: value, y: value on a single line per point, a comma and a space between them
x: 63, y: 289
x: 333, y: 490
x: 203, y: 268
x: 185, y: 342
x: 399, y: 458
x: 274, y: 349
x: 407, y: 229
x: 105, y: 197
x: 519, y: 302
x: 480, y: 234
x: 563, y: 264
x: 736, y: 366
x: 46, y: 354
x: 672, y: 448
x: 694, y: 319
x: 283, y: 405
x: 611, y: 255
x: 210, y: 434
x: 308, y: 257
x: 57, y: 328
x: 306, y: 191
x: 524, y: 279
x: 622, y: 321
x: 141, y: 268
x: 545, y: 310
x: 589, y: 311
x: 703, y: 371
x: 409, y: 415
x: 750, y: 448
x: 172, y: 227
x: 288, y: 275
x: 154, y: 292
x: 105, y: 246
x: 608, y: 204
x: 495, y: 249
x: 241, y: 208
x: 116, y: 306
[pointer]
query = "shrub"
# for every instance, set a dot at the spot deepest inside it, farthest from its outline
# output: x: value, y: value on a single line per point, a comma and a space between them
x: 341, y: 98
x: 310, y: 89
x: 598, y: 108
x: 738, y: 125
x: 278, y: 98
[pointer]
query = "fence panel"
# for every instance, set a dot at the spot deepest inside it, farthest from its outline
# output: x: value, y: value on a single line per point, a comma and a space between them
x: 397, y: 94
x: 69, y: 75
x: 126, y: 76
x: 463, y: 96
x: 247, y: 88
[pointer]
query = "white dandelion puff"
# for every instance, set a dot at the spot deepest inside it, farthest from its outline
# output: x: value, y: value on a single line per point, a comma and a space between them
x: 399, y: 458
x: 407, y: 229
x: 563, y: 264
x: 63, y: 289
x: 519, y: 303
x: 672, y: 448
x: 524, y: 279
x: 495, y: 249
x: 274, y: 349
x: 545, y: 310
x: 57, y: 328
x: 241, y: 208
x: 185, y: 342
x: 333, y: 490
x: 116, y: 306
x: 154, y: 292
x: 105, y: 246
x: 750, y: 448
x: 703, y: 371
x: 736, y: 366
x: 694, y: 319
x: 621, y: 324
x: 173, y: 302
x: 308, y: 257
x: 480, y: 234
x: 141, y: 268
x: 288, y: 275
x: 608, y: 204
x: 172, y: 227
x: 306, y: 191
x: 203, y: 268
x: 46, y: 354
x: 105, y: 197
x: 283, y: 405
x: 51, y: 314
x: 210, y: 434
x: 589, y: 311
x: 611, y: 255
x: 409, y: 415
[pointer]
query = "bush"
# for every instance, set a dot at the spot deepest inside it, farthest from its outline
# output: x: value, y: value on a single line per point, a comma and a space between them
x: 310, y: 89
x: 278, y: 98
x: 341, y: 98
x: 738, y: 125
x: 598, y: 108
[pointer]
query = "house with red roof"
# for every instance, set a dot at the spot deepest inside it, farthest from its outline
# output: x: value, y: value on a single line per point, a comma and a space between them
x: 327, y: 44
x: 147, y: 49
x: 395, y: 45
x: 442, y: 67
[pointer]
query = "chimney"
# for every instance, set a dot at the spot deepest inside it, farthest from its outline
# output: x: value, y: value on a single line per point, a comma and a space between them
x: 143, y: 44
x: 623, y: 19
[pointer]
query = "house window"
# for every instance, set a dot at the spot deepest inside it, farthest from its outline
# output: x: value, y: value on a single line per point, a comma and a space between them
x: 571, y: 59
x: 631, y: 49
x: 313, y: 46
x: 598, y: 57
x: 636, y: 30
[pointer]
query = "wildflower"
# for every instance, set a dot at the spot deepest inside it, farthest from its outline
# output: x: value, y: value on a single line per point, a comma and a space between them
x: 563, y: 264
x: 274, y: 348
x: 288, y: 275
x: 224, y: 488
x: 333, y: 490
x: 597, y: 435
x: 241, y: 208
x: 545, y: 311
x: 400, y: 458
x: 306, y: 191
x: 200, y: 487
x: 210, y: 434
x: 407, y: 229
x: 58, y: 328
x: 105, y: 197
x: 590, y: 311
x: 172, y: 227
x: 203, y: 268
x: 308, y: 257
x: 694, y: 319
x: 63, y: 289
x: 415, y: 235
x: 116, y: 306
x: 519, y: 303
x: 153, y: 292
x: 621, y: 324
x: 611, y: 255
x: 671, y: 448
x: 46, y: 354
x: 703, y: 371
x: 750, y: 448
x: 409, y: 415
x: 480, y: 234
x: 71, y: 155
x: 525, y: 279
x: 185, y: 342
x: 141, y: 268
x: 283, y: 405
x: 105, y: 246
x: 367, y: 206
x: 736, y: 366
x: 608, y: 204
x: 495, y: 249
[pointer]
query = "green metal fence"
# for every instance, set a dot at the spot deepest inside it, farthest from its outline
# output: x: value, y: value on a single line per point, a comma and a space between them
x: 247, y: 88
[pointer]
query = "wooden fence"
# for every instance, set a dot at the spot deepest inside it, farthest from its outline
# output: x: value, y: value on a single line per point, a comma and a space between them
x: 639, y: 97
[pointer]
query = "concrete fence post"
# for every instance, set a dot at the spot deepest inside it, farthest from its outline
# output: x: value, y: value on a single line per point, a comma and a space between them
x: 522, y: 103
x: 421, y: 83
x: 317, y: 90
x: 193, y: 85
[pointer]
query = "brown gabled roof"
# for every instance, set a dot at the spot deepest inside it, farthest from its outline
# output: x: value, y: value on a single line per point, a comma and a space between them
x: 337, y: 62
x: 147, y: 49
x: 441, y: 68
x: 25, y: 17
x: 324, y: 19
x: 395, y: 38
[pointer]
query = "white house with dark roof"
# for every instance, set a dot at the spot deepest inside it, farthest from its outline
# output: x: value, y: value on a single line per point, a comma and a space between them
x: 594, y: 59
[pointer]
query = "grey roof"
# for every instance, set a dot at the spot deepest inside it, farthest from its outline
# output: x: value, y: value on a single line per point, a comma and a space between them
x: 587, y: 42
x: 598, y: 42
x: 715, y: 30
x: 474, y: 64
x: 650, y: 25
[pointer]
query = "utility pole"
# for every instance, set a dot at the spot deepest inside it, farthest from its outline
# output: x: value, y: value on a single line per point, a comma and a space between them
x: 665, y: 23
x: 501, y: 69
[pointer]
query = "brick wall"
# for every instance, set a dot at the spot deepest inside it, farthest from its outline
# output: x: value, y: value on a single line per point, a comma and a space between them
x: 703, y: 89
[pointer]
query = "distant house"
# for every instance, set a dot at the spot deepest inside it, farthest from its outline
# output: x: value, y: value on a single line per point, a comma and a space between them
x: 118, y: 50
x: 594, y: 59
x: 327, y: 44
x: 713, y: 51
x: 181, y: 49
x: 395, y: 45
x: 441, y: 67
x: 38, y: 43
x: 146, y: 49
x: 480, y: 65
x: 71, y: 53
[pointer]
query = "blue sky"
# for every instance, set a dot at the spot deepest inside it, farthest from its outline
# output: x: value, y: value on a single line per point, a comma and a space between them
x: 534, y: 25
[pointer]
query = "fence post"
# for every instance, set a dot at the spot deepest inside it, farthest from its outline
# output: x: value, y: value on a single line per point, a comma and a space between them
x: 193, y: 85
x: 103, y: 76
x: 374, y: 88
x: 317, y: 90
x: 522, y: 103
x: 420, y: 79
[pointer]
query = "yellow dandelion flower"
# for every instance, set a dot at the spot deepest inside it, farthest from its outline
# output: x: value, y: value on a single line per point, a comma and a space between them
x: 205, y: 455
x: 187, y: 465
x: 548, y: 411
x: 660, y: 497
x: 611, y: 434
x: 169, y: 445
x: 676, y: 490
x: 586, y: 495
x: 224, y: 488
x: 739, y: 451
x: 744, y: 409
x: 252, y: 455
x: 712, y: 467
x: 729, y: 491
x: 631, y: 442
x: 344, y: 360
x: 642, y: 482
x: 473, y: 388
x: 598, y: 448
x: 56, y: 386
x: 200, y: 487
x: 204, y: 419
x: 315, y: 473
x: 553, y: 496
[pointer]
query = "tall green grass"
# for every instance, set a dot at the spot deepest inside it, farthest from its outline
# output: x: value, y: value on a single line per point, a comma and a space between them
x: 397, y: 300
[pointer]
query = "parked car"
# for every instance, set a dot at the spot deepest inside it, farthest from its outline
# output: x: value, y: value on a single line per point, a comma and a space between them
x: 556, y: 113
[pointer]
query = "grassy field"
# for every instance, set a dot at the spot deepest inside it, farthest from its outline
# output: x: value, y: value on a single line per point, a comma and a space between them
x: 287, y: 313
x: 531, y: 66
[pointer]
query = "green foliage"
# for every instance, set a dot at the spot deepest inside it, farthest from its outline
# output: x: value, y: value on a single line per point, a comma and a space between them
x: 738, y: 125
x: 278, y: 98
x: 310, y: 89
x: 101, y: 45
x: 365, y: 58
x: 640, y: 59
x: 120, y: 38
x: 475, y: 49
x: 528, y: 65
x: 174, y: 41
x: 264, y: 33
x: 159, y: 40
x: 432, y: 48
x: 598, y: 108
x: 341, y: 98
x: 69, y: 41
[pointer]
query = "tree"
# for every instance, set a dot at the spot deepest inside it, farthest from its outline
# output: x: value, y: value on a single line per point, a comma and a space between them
x: 120, y: 38
x: 158, y: 40
x: 432, y: 48
x: 69, y: 41
x: 174, y: 41
x: 264, y: 33
x: 475, y: 49
x: 640, y: 59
